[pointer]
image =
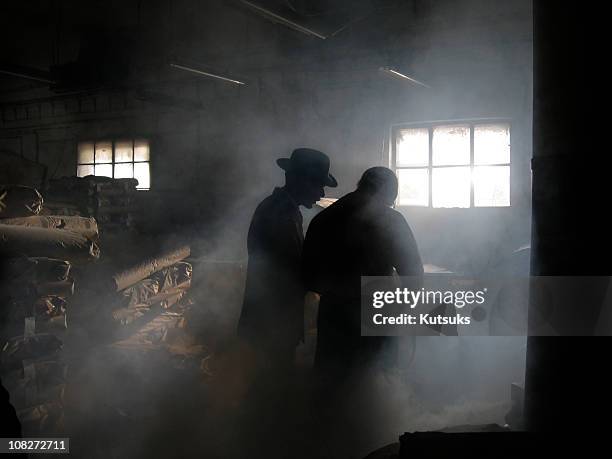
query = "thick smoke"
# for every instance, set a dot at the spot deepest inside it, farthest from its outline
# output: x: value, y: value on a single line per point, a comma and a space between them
x: 216, y: 164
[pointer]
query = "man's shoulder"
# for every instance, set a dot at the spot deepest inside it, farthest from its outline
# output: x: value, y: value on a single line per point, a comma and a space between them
x: 274, y: 209
x: 399, y: 216
x: 393, y: 213
x: 329, y: 213
x: 278, y: 201
x: 390, y: 218
x: 269, y: 202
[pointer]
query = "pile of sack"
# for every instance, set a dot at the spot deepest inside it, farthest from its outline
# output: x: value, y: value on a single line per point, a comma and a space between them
x: 37, y: 254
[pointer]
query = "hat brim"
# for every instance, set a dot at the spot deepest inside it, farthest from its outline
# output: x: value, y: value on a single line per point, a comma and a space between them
x: 285, y: 164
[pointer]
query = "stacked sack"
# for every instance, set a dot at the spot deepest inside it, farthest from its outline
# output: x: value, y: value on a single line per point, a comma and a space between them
x: 24, y: 232
x: 110, y: 201
x: 151, y: 287
x: 35, y: 292
x: 35, y: 376
x: 37, y: 254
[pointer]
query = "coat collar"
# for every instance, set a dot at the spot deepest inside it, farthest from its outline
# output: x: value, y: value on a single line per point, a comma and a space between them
x: 284, y: 194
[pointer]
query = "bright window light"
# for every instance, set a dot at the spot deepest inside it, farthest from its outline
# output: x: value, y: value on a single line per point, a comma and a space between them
x: 124, y: 151
x: 451, y: 187
x: 122, y: 158
x: 104, y: 152
x: 457, y: 165
x: 83, y: 170
x: 413, y: 187
x: 413, y: 147
x: 141, y: 173
x: 492, y: 186
x: 492, y: 144
x: 86, y: 153
x: 141, y: 150
x: 124, y: 170
x: 451, y: 145
x: 103, y: 170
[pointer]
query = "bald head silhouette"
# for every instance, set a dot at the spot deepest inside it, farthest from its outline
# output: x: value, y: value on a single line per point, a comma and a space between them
x: 381, y: 183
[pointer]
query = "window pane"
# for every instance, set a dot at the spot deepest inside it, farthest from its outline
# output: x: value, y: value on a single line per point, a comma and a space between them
x: 104, y: 152
x: 105, y: 170
x: 123, y: 151
x: 413, y: 187
x: 141, y: 172
x: 451, y: 187
x: 492, y: 144
x: 83, y: 171
x: 124, y: 170
x: 141, y: 150
x: 86, y: 152
x: 412, y: 147
x: 451, y: 145
x: 492, y: 186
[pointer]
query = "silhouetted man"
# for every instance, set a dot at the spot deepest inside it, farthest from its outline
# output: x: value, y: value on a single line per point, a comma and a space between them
x: 359, y: 235
x: 272, y: 318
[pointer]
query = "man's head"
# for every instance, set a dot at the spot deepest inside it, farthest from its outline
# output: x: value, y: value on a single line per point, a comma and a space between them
x: 381, y: 183
x: 306, y: 174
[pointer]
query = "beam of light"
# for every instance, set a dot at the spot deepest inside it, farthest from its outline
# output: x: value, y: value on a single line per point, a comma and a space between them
x: 207, y: 74
x: 397, y: 74
x: 282, y: 20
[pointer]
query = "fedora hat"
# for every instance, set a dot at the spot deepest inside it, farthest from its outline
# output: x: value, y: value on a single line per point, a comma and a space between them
x: 311, y: 163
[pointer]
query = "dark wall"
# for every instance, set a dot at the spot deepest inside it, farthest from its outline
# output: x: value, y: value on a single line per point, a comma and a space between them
x: 565, y: 387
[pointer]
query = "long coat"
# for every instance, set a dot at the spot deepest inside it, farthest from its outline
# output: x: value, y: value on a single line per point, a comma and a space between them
x: 273, y: 309
x: 356, y: 236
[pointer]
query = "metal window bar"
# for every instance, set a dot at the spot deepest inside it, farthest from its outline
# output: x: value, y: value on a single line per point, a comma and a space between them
x: 471, y: 165
x: 113, y: 163
x: 430, y: 167
x: 430, y: 173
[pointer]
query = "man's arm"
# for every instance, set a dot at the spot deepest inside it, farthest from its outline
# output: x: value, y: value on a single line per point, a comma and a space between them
x: 407, y: 257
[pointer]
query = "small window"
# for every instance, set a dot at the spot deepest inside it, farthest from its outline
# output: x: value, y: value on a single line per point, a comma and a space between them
x: 453, y: 165
x: 122, y: 158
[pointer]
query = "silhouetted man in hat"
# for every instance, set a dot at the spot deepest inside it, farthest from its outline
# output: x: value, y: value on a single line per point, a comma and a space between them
x: 358, y: 235
x: 272, y: 317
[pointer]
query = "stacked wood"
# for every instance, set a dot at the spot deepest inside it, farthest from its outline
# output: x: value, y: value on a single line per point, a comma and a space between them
x: 153, y: 295
x: 85, y: 226
x: 129, y: 277
x: 53, y: 243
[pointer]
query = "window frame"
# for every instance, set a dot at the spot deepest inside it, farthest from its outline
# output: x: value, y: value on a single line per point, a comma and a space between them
x: 430, y: 125
x: 113, y: 141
